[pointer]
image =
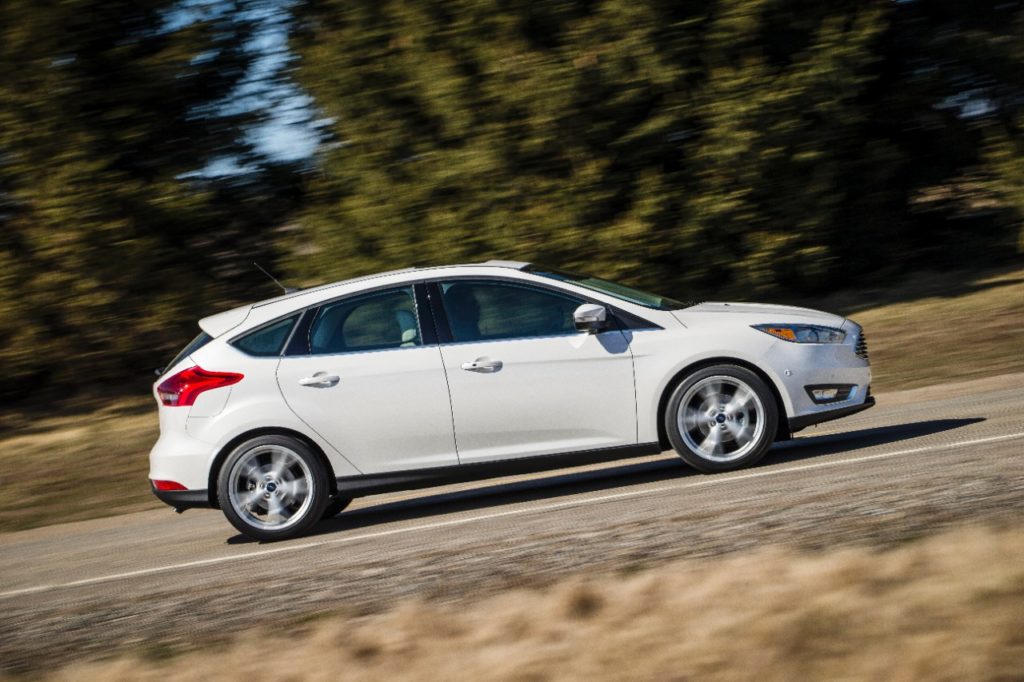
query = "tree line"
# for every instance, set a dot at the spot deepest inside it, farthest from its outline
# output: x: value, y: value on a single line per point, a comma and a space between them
x: 700, y: 148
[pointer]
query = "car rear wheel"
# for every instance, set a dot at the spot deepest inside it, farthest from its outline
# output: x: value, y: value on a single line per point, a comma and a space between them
x: 721, y: 418
x: 273, y: 488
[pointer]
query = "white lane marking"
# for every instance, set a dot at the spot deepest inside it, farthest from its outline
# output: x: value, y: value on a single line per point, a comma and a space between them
x: 717, y: 480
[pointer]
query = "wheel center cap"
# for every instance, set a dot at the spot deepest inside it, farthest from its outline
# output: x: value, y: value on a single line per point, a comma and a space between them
x: 271, y: 487
x: 720, y: 418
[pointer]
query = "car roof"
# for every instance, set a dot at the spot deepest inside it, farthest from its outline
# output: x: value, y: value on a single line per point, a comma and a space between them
x: 257, y: 313
x: 511, y: 264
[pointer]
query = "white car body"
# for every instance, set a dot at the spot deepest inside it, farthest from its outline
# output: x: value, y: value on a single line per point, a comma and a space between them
x: 381, y: 414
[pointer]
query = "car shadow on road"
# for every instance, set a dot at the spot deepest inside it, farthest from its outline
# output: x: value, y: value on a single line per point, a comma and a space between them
x: 564, y: 485
x: 806, y: 447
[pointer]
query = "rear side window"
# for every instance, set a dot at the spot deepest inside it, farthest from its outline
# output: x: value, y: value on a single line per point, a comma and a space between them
x: 385, y: 319
x: 191, y: 348
x: 266, y: 341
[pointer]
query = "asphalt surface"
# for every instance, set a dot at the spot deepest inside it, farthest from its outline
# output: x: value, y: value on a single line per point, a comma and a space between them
x: 156, y: 582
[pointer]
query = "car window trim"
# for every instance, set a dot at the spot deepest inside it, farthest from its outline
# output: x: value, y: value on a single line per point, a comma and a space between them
x: 438, y: 313
x: 425, y: 315
x: 300, y: 333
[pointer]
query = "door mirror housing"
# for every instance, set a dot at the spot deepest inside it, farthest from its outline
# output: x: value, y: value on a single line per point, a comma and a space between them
x: 590, y: 318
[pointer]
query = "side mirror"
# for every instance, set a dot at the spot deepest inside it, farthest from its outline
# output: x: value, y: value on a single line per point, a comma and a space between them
x: 590, y: 318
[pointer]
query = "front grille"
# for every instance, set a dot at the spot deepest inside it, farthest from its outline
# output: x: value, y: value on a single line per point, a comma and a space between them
x: 862, y: 347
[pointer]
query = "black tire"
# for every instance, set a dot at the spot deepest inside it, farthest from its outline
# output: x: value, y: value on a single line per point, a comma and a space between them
x: 276, y: 477
x: 335, y: 506
x: 721, y: 429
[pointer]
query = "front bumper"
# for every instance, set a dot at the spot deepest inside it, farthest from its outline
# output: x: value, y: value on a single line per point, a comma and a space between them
x: 183, y: 499
x: 803, y: 421
x: 800, y: 367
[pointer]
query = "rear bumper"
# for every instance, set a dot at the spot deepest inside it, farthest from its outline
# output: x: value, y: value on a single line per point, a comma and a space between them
x: 183, y: 499
x: 803, y: 421
x: 179, y: 457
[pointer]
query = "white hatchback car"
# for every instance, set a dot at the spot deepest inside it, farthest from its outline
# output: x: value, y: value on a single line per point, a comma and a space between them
x: 280, y: 412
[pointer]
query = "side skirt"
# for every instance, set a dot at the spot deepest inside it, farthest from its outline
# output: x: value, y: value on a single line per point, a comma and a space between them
x: 372, y: 484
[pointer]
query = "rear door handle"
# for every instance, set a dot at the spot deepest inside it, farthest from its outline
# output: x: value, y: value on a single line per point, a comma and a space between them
x: 320, y: 380
x: 482, y: 365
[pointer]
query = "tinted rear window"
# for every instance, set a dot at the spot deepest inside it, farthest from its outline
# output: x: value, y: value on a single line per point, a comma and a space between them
x: 192, y: 347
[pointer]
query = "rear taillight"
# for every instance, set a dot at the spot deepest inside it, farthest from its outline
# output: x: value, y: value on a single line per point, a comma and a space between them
x: 182, y: 389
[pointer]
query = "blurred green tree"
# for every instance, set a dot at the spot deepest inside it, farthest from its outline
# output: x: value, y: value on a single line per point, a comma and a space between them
x: 947, y: 88
x: 114, y: 238
x: 743, y: 145
x: 1004, y: 162
x: 729, y: 147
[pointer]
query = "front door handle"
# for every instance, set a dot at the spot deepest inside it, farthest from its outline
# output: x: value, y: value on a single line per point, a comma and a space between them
x: 320, y: 380
x: 482, y: 365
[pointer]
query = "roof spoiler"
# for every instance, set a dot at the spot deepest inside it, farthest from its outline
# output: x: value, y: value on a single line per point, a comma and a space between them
x: 222, y: 323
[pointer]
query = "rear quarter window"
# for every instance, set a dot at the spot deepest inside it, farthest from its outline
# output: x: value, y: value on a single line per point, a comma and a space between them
x: 266, y: 341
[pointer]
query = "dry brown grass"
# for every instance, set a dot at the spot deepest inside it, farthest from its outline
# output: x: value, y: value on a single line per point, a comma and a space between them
x: 950, y: 607
x: 943, y: 329
x: 68, y: 467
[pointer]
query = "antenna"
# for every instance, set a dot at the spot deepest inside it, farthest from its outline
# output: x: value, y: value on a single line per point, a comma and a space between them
x: 273, y: 279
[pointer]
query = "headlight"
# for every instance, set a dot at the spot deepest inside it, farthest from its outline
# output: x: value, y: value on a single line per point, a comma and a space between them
x: 803, y: 333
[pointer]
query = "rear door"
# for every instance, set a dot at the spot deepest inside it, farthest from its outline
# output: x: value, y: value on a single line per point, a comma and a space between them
x: 523, y: 381
x: 370, y: 382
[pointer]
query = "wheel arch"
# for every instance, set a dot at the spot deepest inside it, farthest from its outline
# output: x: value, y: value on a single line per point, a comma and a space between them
x: 222, y: 455
x: 781, y: 433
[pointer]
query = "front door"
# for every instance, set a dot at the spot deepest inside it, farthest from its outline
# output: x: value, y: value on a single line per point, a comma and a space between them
x: 370, y: 387
x: 523, y: 381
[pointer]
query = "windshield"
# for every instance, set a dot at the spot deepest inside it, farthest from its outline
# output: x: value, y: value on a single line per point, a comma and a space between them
x: 620, y: 291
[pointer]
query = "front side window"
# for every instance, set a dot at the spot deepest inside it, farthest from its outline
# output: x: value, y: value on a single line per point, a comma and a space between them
x: 377, y: 321
x: 486, y: 311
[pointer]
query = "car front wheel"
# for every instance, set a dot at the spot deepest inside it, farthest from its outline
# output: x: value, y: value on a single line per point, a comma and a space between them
x: 721, y: 417
x: 273, y: 488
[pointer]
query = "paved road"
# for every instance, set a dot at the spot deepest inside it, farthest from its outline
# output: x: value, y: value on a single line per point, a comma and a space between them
x: 920, y: 461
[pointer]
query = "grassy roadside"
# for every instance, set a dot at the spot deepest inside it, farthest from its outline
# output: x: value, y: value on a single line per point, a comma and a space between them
x: 948, y: 607
x: 63, y: 468
x: 926, y: 330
